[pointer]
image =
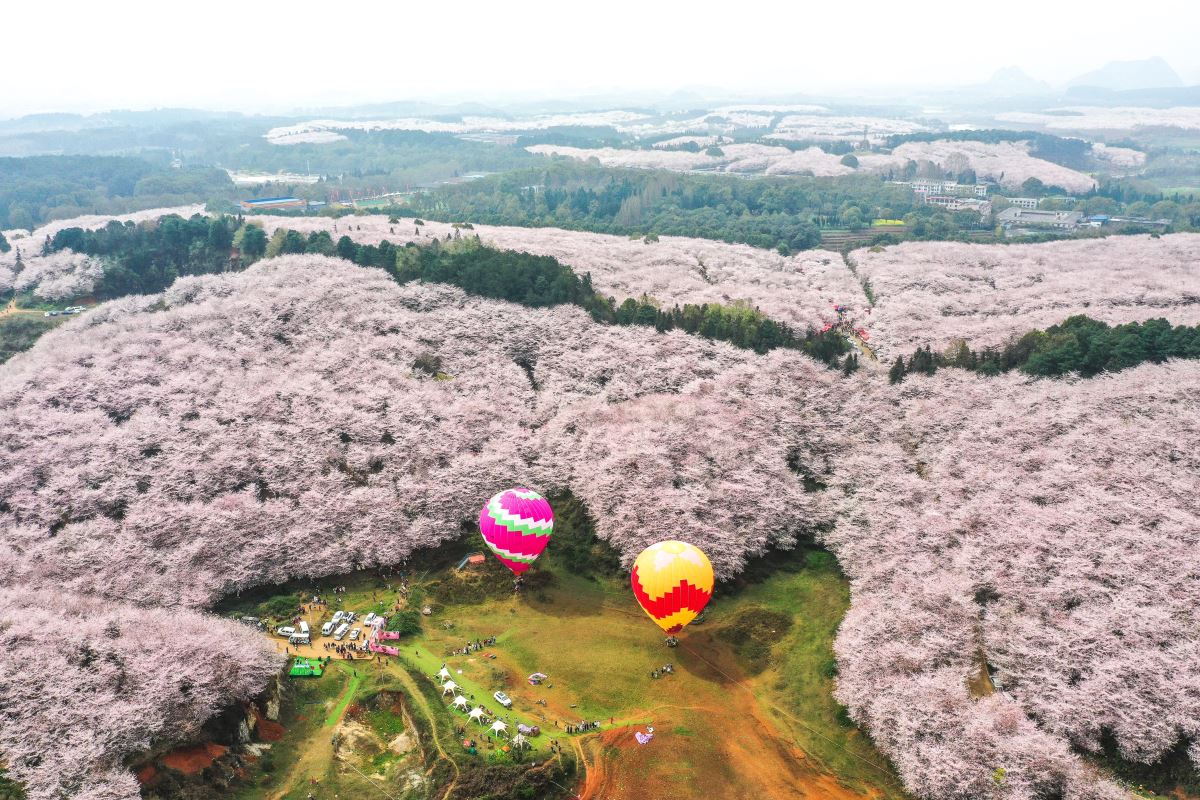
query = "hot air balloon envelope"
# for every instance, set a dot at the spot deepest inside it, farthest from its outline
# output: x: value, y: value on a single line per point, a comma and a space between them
x: 673, y: 582
x: 516, y: 525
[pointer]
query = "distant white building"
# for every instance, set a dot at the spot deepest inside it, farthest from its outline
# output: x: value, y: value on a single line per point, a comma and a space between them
x: 1024, y: 202
x: 983, y: 207
x: 1014, y: 217
x: 949, y: 188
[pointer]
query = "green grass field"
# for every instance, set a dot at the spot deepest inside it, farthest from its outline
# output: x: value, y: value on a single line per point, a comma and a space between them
x: 598, y: 647
x: 759, y: 661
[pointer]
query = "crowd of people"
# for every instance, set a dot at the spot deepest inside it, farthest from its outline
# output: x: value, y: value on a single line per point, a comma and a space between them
x: 473, y: 646
x: 348, y: 651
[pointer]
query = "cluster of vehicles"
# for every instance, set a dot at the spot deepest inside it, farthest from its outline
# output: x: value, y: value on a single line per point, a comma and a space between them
x: 65, y: 312
x: 298, y: 634
x: 340, y: 627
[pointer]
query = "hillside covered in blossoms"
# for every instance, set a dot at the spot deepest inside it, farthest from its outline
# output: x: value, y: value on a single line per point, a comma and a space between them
x: 313, y: 417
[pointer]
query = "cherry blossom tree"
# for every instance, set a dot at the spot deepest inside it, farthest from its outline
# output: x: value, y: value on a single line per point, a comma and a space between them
x: 1046, y: 529
x: 88, y: 683
x: 58, y: 276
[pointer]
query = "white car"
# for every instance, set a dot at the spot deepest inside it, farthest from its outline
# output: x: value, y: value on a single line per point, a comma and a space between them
x: 354, y: 634
x: 286, y: 632
x: 503, y: 699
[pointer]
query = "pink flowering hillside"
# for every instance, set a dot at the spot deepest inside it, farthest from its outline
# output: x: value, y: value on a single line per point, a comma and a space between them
x: 800, y: 290
x: 278, y: 414
x: 1048, y: 529
x: 111, y: 680
x: 1021, y: 551
x: 937, y: 293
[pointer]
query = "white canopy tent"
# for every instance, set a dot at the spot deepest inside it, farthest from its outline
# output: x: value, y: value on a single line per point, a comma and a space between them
x: 520, y: 741
x: 499, y: 726
x: 461, y: 702
x: 444, y: 674
x: 477, y: 714
x: 449, y: 687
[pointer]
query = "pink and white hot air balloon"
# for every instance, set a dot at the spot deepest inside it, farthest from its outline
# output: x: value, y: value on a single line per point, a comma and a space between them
x: 516, y: 525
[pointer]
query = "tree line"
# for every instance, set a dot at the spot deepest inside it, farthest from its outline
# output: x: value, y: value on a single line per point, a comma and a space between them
x: 1079, y: 345
x: 36, y: 189
x: 786, y: 214
x: 543, y: 281
x: 146, y: 259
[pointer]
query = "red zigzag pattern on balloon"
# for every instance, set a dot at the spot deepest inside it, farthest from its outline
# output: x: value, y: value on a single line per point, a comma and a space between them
x: 685, y: 595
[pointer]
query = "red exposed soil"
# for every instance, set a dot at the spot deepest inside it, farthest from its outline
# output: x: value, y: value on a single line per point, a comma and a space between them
x: 191, y: 760
x: 265, y: 729
x: 147, y: 775
x: 715, y: 736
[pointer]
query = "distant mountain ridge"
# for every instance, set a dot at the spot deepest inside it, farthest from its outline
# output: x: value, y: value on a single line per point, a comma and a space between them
x: 1147, y: 73
x: 1013, y: 81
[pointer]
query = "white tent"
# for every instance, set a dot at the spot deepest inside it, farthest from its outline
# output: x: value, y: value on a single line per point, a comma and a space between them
x: 461, y: 702
x: 449, y: 687
x: 519, y: 741
x: 477, y: 714
x: 499, y: 726
x: 444, y: 674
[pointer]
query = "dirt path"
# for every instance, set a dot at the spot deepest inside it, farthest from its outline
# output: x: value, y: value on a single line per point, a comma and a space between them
x: 11, y: 308
x: 318, y: 755
x: 414, y: 694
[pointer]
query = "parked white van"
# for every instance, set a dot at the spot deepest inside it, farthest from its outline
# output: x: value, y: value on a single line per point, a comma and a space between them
x: 299, y: 638
x: 370, y: 618
x: 340, y: 633
x: 285, y: 632
x: 338, y: 616
x: 327, y: 628
x: 303, y: 628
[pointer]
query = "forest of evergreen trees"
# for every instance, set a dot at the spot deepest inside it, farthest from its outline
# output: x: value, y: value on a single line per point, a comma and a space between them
x: 40, y: 188
x: 144, y: 259
x: 1079, y: 345
x: 786, y: 214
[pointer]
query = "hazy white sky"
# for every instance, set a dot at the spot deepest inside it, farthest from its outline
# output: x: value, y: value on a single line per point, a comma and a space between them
x: 271, y: 56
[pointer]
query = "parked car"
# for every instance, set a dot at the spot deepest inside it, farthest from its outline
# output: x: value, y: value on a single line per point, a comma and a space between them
x: 354, y: 634
x: 341, y: 631
x: 327, y: 628
x: 503, y: 699
x: 287, y: 632
x: 370, y: 618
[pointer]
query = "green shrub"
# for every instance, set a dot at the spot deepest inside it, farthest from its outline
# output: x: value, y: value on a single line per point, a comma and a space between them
x: 281, y: 606
x: 406, y: 623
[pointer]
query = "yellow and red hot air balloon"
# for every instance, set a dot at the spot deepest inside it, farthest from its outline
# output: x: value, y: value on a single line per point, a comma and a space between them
x: 672, y: 582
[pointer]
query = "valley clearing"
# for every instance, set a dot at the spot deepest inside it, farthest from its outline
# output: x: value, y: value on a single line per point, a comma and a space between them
x: 746, y: 711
